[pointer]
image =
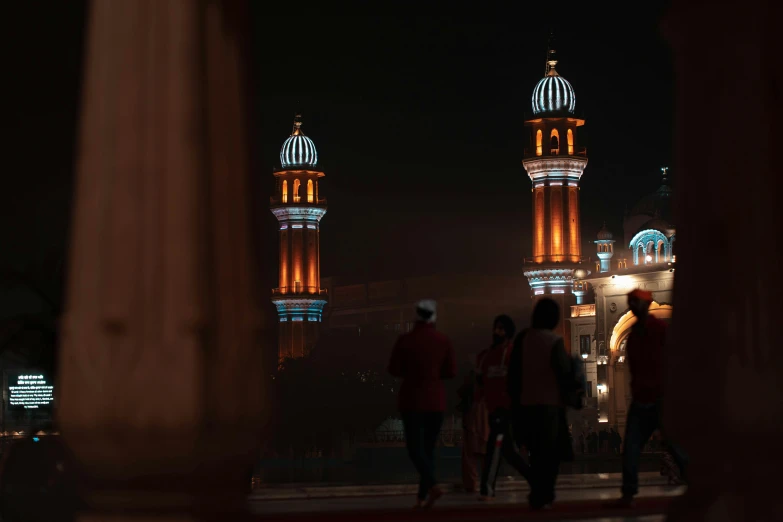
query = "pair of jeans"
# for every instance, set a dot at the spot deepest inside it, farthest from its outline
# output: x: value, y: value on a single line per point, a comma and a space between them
x: 643, y: 420
x: 539, y: 427
x: 500, y: 443
x: 421, y: 436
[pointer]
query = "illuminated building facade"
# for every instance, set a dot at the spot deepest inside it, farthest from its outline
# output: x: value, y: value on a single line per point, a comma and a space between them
x: 647, y: 261
x: 298, y: 207
x: 555, y: 163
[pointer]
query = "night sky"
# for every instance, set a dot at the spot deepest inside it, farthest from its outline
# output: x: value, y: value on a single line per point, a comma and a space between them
x: 418, y: 123
x: 419, y: 127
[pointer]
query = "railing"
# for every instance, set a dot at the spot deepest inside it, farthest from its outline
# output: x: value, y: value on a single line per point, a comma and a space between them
x: 278, y: 201
x: 538, y: 260
x: 297, y: 290
x: 549, y: 151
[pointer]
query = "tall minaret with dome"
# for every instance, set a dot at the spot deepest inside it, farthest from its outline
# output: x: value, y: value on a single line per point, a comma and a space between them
x: 555, y: 163
x: 298, y: 207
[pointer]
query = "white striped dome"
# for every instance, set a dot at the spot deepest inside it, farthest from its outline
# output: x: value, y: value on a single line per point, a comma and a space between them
x: 298, y: 150
x: 553, y: 93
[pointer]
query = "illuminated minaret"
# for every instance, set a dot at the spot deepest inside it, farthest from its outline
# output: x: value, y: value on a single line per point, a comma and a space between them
x: 605, y: 246
x: 554, y: 164
x: 298, y: 208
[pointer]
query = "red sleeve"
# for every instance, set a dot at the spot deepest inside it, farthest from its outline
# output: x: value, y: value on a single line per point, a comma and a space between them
x: 449, y: 370
x: 395, y: 363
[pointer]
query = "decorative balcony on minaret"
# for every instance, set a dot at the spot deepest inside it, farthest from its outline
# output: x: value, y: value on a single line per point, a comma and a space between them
x: 554, y: 162
x: 298, y: 208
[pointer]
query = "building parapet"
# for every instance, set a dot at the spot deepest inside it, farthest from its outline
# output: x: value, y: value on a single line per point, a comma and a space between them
x: 583, y: 310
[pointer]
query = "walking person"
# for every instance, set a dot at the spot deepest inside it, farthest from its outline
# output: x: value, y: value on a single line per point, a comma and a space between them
x: 475, y: 430
x: 644, y: 350
x: 538, y: 370
x: 422, y: 358
x: 492, y: 379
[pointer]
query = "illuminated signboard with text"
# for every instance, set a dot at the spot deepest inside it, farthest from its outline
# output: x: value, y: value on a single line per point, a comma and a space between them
x: 29, y: 391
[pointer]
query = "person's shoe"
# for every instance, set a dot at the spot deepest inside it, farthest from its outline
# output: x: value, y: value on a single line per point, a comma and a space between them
x: 435, y: 494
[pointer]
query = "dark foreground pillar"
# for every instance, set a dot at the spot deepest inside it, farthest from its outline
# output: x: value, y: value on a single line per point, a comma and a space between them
x: 725, y: 400
x: 160, y: 370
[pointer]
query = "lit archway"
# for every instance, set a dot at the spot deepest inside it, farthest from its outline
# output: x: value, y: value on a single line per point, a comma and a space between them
x: 623, y: 326
x: 539, y: 144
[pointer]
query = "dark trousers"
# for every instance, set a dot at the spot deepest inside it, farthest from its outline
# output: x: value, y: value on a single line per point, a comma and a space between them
x: 540, y: 428
x: 643, y: 420
x: 421, y: 435
x: 500, y: 443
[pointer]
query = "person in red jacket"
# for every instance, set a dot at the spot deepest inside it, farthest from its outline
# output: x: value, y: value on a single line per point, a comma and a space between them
x: 422, y: 358
x: 492, y: 377
x: 644, y: 350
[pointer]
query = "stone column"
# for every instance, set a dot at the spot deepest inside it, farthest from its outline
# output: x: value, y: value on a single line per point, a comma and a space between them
x: 160, y: 375
x: 724, y: 396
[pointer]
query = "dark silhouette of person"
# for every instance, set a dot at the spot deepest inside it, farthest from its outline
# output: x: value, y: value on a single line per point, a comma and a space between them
x: 422, y: 358
x: 537, y: 369
x: 644, y: 350
x: 492, y: 378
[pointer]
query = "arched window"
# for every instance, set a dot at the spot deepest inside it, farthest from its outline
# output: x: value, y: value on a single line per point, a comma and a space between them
x: 660, y: 254
x: 641, y: 253
x: 570, y: 137
x: 296, y: 191
x: 554, y: 142
x: 539, y: 139
x: 285, y: 191
x: 309, y: 191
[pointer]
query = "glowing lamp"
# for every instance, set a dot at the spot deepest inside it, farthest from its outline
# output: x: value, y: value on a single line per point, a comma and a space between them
x: 648, y: 259
x: 580, y: 273
x: 584, y: 356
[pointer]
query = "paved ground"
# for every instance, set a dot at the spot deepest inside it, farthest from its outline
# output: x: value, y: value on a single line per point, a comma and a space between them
x: 571, y: 504
x: 509, y: 483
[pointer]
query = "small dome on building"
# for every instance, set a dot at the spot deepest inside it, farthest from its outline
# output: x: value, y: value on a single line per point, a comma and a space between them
x: 657, y: 204
x: 553, y: 93
x: 298, y: 150
x: 604, y: 234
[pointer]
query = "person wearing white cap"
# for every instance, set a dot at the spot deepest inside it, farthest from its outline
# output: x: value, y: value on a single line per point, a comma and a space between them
x: 423, y: 358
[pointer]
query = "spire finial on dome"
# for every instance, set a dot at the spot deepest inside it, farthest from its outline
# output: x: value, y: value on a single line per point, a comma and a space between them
x: 551, y: 59
x: 297, y: 124
x: 665, y: 171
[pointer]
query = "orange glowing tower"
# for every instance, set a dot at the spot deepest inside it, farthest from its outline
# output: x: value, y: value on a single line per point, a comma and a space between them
x: 555, y: 164
x: 298, y: 208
